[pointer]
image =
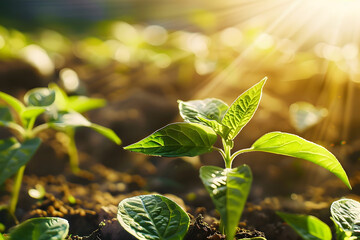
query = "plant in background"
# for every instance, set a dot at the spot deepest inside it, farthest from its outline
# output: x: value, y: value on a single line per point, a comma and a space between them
x: 151, y: 217
x: 21, y: 118
x: 44, y: 228
x: 345, y: 214
x: 204, y: 121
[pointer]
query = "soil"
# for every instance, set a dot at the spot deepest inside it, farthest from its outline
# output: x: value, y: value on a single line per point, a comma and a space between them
x: 109, y: 174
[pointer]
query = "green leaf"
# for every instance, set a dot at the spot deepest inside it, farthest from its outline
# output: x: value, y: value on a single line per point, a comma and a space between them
x: 228, y: 189
x: 46, y: 228
x: 79, y: 104
x: 5, y: 116
x: 177, y: 140
x: 61, y: 98
x: 14, y: 155
x: 2, y: 237
x: 295, y: 146
x: 40, y: 97
x: 107, y: 132
x: 243, y: 109
x: 220, y: 129
x: 308, y: 227
x: 13, y: 102
x: 153, y: 217
x: 83, y: 104
x: 209, y: 108
x: 31, y: 112
x: 346, y: 215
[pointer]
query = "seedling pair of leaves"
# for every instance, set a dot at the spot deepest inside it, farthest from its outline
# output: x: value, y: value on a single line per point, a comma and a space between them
x: 208, y: 119
x: 345, y: 214
x: 61, y: 112
x: 45, y: 228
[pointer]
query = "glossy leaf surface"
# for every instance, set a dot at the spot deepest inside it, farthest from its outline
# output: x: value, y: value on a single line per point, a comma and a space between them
x: 14, y: 155
x: 40, y: 97
x: 228, y: 189
x: 153, y: 217
x: 209, y: 108
x: 346, y: 215
x: 308, y: 227
x: 177, y: 139
x: 243, y: 109
x: 295, y: 146
x: 47, y: 228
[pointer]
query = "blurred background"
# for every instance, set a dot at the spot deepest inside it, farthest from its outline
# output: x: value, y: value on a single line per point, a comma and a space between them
x: 141, y: 56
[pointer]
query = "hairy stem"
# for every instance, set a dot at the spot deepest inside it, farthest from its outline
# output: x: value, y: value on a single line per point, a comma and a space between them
x: 16, y: 190
x: 227, y: 153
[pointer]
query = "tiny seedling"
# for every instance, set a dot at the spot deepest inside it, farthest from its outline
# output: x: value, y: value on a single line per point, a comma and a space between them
x: 153, y: 217
x: 45, y: 228
x: 207, y: 119
x: 15, y: 152
x: 345, y: 214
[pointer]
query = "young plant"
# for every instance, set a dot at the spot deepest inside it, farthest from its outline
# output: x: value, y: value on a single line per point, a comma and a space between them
x: 45, y: 228
x: 153, y: 217
x: 204, y: 121
x: 21, y: 118
x: 345, y: 214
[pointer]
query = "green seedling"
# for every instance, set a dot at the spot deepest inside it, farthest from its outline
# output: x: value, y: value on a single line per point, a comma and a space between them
x: 207, y: 119
x: 345, y: 214
x: 15, y: 152
x: 73, y: 105
x: 46, y: 228
x: 153, y: 217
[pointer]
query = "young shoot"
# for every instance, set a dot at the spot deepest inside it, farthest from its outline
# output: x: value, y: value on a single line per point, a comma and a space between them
x: 208, y: 119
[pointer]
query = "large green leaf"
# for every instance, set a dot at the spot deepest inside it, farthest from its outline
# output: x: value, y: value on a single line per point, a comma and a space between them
x: 243, y: 109
x: 295, y: 146
x: 228, y: 189
x: 40, y: 97
x: 209, y: 108
x: 46, y: 228
x: 13, y: 155
x: 2, y: 237
x: 177, y: 139
x: 107, y: 132
x: 308, y: 227
x: 153, y: 217
x: 13, y: 102
x: 346, y: 215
